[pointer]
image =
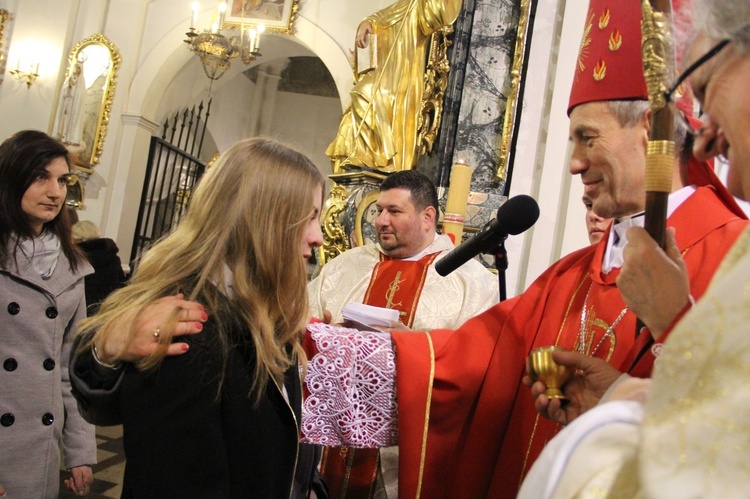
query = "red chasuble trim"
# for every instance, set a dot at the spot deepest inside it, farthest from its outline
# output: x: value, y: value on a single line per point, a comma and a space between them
x: 425, y: 431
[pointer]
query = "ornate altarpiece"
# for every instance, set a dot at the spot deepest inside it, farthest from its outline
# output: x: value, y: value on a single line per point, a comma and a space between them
x: 483, y: 93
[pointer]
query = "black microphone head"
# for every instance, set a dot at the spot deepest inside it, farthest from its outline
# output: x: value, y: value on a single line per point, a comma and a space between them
x: 518, y: 214
x: 514, y: 216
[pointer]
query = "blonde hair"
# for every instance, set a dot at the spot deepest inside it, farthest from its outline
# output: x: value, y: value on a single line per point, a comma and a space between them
x: 249, y: 211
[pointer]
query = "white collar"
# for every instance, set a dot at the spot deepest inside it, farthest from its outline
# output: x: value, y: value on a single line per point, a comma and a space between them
x: 618, y: 238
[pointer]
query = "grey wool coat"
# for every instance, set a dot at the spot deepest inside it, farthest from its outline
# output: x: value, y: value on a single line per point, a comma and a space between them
x: 38, y: 414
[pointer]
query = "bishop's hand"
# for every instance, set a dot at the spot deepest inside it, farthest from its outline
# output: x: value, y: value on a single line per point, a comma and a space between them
x: 591, y: 379
x: 653, y: 283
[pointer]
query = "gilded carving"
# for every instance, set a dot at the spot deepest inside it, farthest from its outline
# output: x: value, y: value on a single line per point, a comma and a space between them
x: 658, y: 51
x: 509, y: 122
x: 4, y: 16
x: 435, y: 83
x: 335, y: 241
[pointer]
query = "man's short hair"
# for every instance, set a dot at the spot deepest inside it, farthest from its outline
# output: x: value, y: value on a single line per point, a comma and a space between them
x: 423, y: 192
x: 630, y: 112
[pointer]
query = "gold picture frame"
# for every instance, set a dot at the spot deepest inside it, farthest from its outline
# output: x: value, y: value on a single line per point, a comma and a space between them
x: 511, y: 107
x: 276, y: 15
x: 89, y: 111
x: 4, y: 16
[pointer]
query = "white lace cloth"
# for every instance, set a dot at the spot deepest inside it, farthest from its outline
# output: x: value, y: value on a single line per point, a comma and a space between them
x: 352, y: 384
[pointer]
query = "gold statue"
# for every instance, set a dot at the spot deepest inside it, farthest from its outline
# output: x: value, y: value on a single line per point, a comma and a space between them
x: 380, y: 127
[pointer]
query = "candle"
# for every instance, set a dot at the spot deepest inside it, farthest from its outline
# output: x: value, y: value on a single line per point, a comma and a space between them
x: 456, y: 202
x: 222, y: 12
x: 261, y: 29
x: 252, y: 37
x: 215, y: 28
x: 194, y: 17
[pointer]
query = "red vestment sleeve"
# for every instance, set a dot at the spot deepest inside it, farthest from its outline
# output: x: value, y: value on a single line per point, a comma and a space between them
x: 439, y: 379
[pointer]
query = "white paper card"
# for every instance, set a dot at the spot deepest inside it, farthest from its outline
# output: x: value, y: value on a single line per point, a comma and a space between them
x: 369, y: 315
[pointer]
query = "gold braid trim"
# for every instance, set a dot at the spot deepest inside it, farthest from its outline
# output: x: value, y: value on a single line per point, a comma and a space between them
x: 659, y: 166
x: 536, y: 420
x: 427, y: 415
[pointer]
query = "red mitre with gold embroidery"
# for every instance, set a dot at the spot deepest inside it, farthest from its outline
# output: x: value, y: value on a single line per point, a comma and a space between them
x: 610, y: 64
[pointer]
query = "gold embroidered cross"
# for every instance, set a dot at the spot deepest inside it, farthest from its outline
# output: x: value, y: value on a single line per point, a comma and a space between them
x: 392, y: 288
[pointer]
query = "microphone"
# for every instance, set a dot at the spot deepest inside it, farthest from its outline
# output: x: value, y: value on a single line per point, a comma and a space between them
x: 515, y: 216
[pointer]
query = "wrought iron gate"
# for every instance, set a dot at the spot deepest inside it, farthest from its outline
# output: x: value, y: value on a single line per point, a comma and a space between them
x: 172, y: 171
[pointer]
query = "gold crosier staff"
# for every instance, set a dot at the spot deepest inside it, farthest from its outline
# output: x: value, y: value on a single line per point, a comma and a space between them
x: 658, y: 63
x: 376, y: 83
x: 658, y: 69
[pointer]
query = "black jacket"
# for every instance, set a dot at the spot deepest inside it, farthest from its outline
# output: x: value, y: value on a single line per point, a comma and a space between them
x: 182, y: 441
x: 108, y: 274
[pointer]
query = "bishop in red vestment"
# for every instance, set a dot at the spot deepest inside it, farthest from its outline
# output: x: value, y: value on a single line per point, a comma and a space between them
x: 467, y: 426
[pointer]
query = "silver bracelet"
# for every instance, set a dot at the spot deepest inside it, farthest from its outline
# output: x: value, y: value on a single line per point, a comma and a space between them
x: 116, y: 366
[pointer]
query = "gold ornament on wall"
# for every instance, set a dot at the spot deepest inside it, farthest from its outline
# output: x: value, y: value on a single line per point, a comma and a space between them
x: 435, y: 83
x: 335, y: 241
x: 4, y: 16
x: 512, y: 105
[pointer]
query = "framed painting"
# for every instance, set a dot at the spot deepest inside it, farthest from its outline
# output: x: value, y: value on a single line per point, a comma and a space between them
x: 4, y: 15
x: 276, y: 15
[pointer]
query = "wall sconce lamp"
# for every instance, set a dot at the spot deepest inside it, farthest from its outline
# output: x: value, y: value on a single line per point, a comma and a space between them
x: 25, y: 76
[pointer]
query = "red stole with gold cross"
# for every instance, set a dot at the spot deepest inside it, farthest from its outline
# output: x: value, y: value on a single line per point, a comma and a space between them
x: 395, y: 284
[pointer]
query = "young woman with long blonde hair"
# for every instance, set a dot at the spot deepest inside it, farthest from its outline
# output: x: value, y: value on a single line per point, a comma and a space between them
x: 221, y: 420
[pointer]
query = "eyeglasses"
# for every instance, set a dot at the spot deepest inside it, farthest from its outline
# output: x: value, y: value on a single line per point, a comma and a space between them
x: 690, y: 70
x: 669, y: 93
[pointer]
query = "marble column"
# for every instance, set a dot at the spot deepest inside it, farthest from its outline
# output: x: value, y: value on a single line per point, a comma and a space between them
x: 473, y: 119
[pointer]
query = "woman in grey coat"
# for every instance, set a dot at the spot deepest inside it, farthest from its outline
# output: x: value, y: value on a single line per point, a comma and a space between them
x: 41, y: 299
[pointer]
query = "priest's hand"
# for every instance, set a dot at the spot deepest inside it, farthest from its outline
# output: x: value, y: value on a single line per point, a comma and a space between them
x: 327, y: 316
x: 186, y: 317
x: 653, y: 283
x: 591, y: 379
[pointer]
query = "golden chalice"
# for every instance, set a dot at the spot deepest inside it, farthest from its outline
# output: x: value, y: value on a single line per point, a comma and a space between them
x: 541, y: 367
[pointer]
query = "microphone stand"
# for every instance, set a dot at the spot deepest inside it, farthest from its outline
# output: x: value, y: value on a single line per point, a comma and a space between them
x: 501, y: 264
